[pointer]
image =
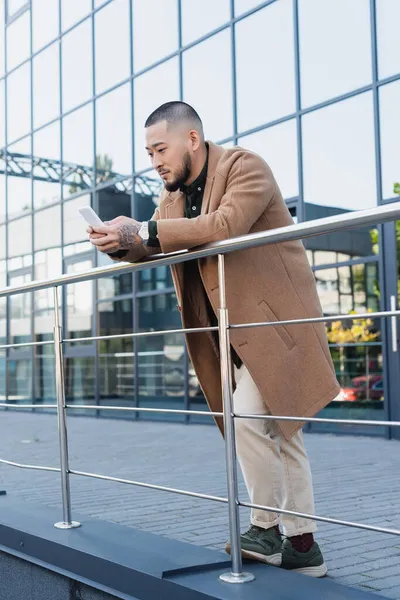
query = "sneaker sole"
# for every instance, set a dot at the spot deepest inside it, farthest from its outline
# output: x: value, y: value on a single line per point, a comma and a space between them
x: 319, y: 571
x: 272, y: 559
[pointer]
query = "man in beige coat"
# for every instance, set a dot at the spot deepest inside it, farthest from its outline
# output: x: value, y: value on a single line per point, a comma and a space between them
x: 210, y: 194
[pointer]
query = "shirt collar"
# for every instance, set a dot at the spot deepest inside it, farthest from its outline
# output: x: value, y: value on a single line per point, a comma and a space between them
x: 199, y: 182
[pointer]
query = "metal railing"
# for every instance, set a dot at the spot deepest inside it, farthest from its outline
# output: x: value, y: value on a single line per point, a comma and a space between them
x: 386, y: 213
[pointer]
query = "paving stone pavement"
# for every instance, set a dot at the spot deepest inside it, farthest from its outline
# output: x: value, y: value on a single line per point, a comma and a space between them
x: 355, y: 478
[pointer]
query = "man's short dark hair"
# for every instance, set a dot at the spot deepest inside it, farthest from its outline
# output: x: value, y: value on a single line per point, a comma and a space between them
x: 174, y: 113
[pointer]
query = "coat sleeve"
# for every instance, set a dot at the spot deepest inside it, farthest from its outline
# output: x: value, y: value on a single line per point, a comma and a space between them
x: 139, y: 252
x: 249, y: 190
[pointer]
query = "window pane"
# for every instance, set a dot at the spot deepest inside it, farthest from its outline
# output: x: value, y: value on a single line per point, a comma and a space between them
x: 335, y: 48
x: 388, y: 18
x: 339, y: 161
x: 47, y: 265
x: 46, y: 149
x: 242, y: 6
x: 2, y: 242
x: 160, y: 358
x: 19, y: 187
x: 20, y: 237
x: 209, y: 90
x: 44, y: 23
x: 78, y: 149
x: 278, y: 146
x: 48, y: 228
x: 116, y: 355
x: 149, y: 94
x: 2, y: 116
x: 18, y: 40
x: 74, y: 225
x: 271, y: 61
x: 74, y: 10
x: 2, y: 197
x: 389, y: 103
x: 112, y: 44
x: 113, y: 134
x: 19, y: 103
x: 2, y: 45
x: 46, y: 97
x: 198, y: 18
x: 20, y: 380
x: 79, y: 303
x: 162, y: 17
x: 77, y: 77
x: 14, y: 5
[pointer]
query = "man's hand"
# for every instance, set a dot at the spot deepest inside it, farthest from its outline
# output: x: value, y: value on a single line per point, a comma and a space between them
x: 119, y: 234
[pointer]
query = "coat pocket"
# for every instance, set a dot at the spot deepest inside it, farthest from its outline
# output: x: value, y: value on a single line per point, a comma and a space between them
x: 281, y: 330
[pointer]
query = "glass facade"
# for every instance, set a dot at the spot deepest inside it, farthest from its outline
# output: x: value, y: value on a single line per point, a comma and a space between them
x: 316, y: 94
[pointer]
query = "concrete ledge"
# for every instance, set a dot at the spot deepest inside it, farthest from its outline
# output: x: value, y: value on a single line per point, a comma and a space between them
x: 135, y: 565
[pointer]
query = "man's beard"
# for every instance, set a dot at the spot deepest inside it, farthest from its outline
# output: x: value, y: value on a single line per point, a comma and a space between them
x: 183, y: 174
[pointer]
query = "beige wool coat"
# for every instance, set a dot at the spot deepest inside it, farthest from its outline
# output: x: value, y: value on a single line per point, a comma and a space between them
x: 291, y: 365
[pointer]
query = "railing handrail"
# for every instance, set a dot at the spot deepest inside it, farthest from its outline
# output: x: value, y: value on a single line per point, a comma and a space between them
x: 344, y: 221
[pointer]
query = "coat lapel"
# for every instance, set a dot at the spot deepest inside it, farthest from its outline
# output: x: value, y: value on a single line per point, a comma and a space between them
x: 214, y: 154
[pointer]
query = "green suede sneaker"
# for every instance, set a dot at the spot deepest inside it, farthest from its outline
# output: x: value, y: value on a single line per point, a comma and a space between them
x: 307, y: 563
x: 263, y: 545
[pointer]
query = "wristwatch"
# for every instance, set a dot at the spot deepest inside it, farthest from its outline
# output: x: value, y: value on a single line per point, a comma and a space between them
x: 143, y: 232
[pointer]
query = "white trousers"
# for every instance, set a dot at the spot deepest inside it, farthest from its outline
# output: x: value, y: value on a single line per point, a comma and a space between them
x: 276, y: 471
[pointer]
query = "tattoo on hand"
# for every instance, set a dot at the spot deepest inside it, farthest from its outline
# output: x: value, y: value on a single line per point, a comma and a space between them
x: 127, y: 235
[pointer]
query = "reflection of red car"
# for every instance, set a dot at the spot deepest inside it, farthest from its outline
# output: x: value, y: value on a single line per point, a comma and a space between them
x: 360, y: 386
x: 346, y: 395
x: 359, y: 389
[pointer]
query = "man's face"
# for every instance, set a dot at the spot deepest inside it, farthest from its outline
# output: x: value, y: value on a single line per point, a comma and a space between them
x: 170, y: 151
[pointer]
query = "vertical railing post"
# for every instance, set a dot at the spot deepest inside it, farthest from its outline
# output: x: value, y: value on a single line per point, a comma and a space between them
x: 236, y: 575
x: 67, y: 523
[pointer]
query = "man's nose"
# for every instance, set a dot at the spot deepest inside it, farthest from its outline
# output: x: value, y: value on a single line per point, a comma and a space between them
x: 157, y: 162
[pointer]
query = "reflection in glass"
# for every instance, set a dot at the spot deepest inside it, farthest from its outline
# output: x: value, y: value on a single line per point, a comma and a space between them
x: 215, y: 109
x: 77, y: 80
x: 2, y: 115
x: 19, y: 103
x: 387, y: 20
x: 20, y: 237
x: 2, y: 243
x: 335, y: 52
x: 74, y: 225
x: 47, y: 265
x: 18, y: 40
x: 155, y: 279
x: 113, y: 134
x: 338, y: 155
x: 2, y: 66
x: 198, y: 18
x: 79, y: 303
x: 3, y: 373
x: 242, y: 6
x: 80, y: 380
x: 19, y: 183
x: 278, y: 146
x: 19, y: 380
x: 272, y: 61
x: 72, y: 12
x: 44, y: 23
x: 47, y: 227
x: 116, y: 355
x: 160, y: 358
x: 46, y: 148
x: 20, y: 309
x: 2, y: 198
x: 46, y: 87
x: 162, y: 17
x: 78, y: 148
x: 112, y: 59
x: 149, y: 94
x: 389, y: 103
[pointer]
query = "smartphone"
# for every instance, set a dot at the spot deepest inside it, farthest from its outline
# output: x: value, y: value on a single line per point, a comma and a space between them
x: 93, y: 219
x: 90, y: 216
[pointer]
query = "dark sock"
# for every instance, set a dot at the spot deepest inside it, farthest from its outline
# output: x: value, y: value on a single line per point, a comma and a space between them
x: 276, y: 527
x: 302, y: 543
